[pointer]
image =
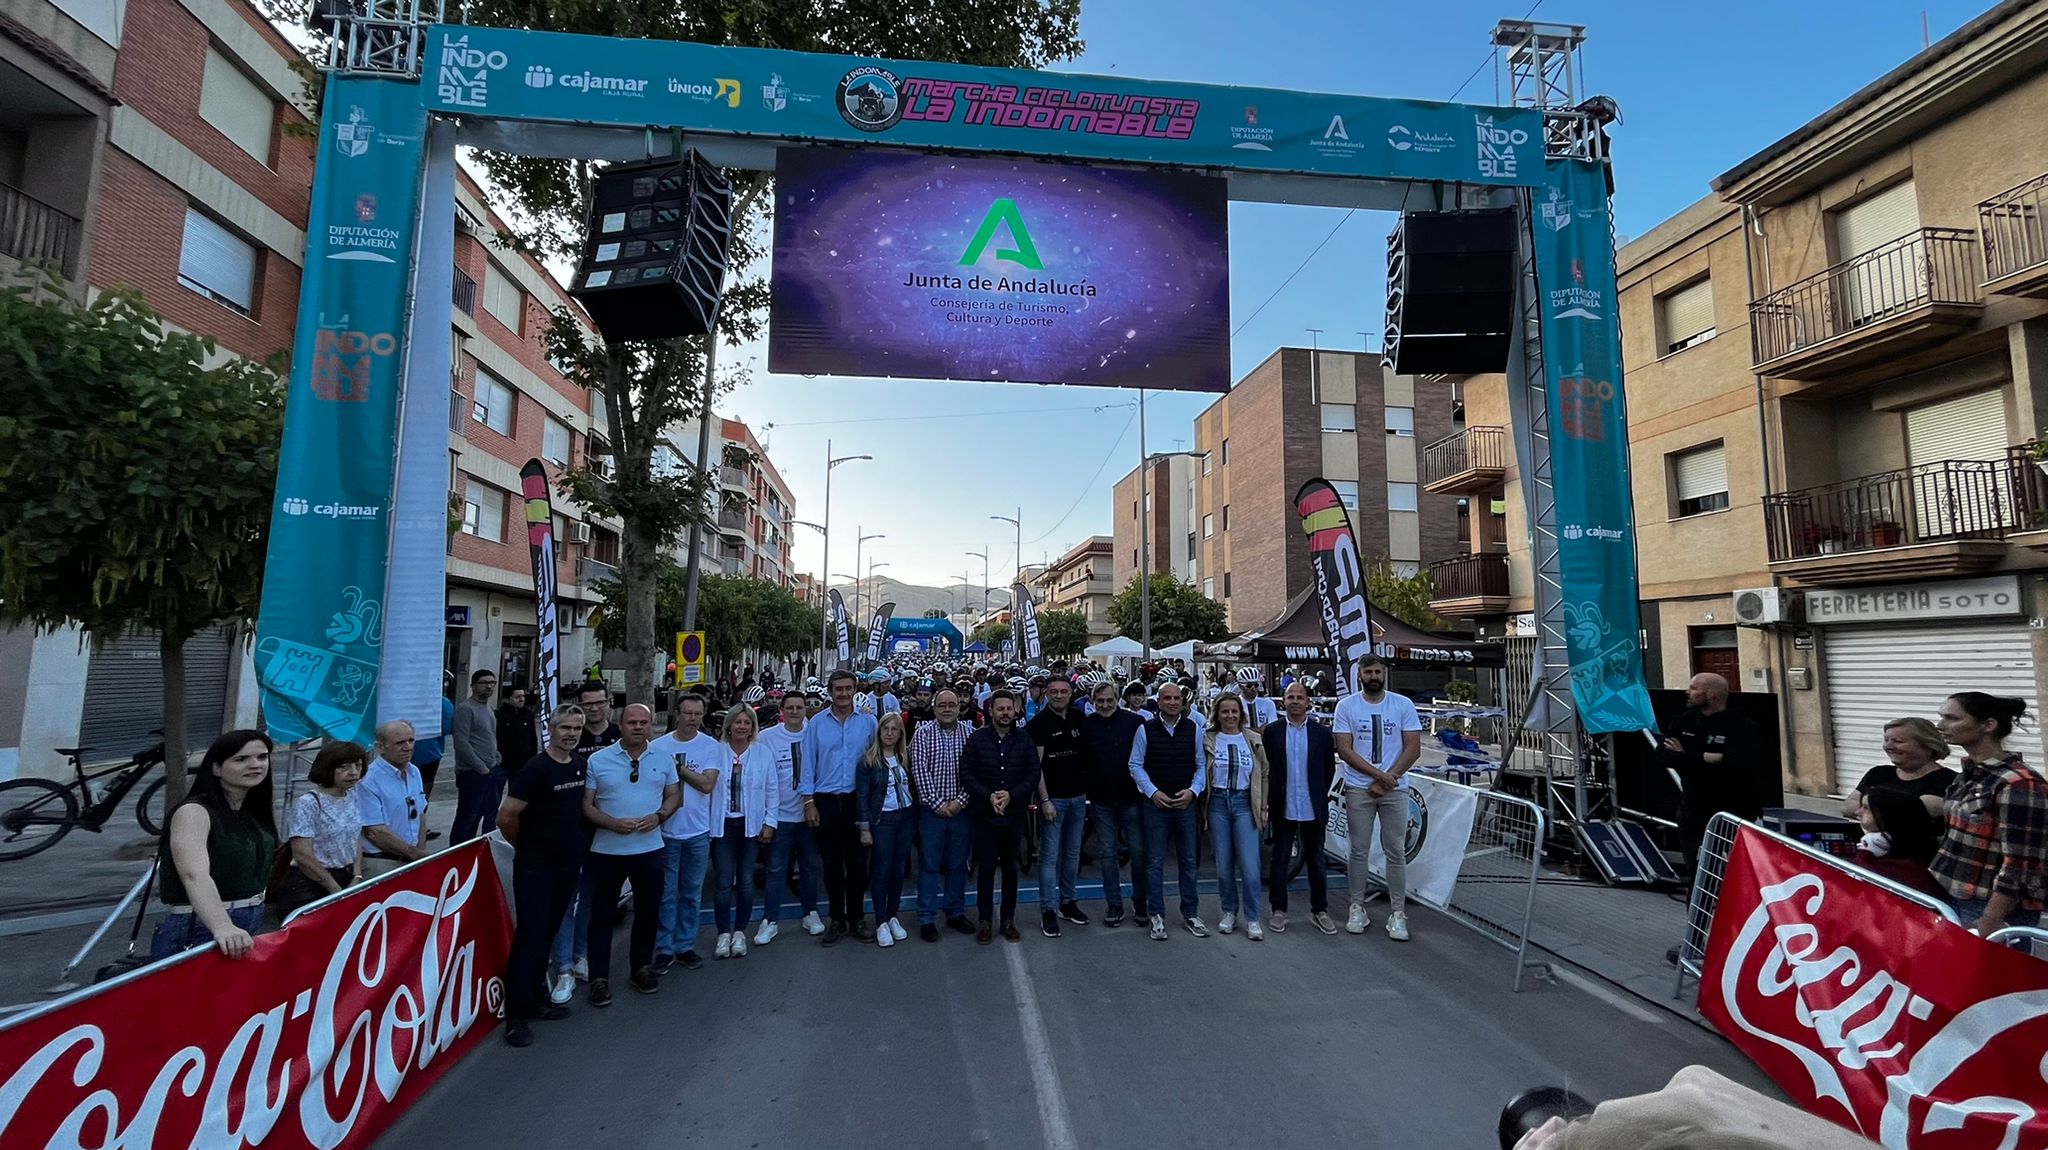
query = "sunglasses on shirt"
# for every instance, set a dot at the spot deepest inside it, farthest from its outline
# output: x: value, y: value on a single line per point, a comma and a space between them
x: 635, y: 776
x: 412, y: 807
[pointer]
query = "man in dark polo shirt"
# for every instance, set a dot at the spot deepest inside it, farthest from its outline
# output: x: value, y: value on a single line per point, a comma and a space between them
x: 1167, y: 764
x: 1062, y: 804
x: 1114, y: 799
x: 542, y: 817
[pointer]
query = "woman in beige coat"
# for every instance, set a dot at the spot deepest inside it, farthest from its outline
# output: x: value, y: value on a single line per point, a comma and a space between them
x: 1237, y: 811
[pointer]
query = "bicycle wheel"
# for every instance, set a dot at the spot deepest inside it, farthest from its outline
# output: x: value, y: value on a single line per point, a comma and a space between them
x: 34, y: 814
x: 149, y: 809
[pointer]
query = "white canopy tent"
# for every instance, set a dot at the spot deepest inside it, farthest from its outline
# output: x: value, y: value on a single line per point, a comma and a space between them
x: 1119, y: 647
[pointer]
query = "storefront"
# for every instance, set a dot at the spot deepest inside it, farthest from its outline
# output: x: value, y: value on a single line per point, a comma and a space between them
x: 1896, y: 651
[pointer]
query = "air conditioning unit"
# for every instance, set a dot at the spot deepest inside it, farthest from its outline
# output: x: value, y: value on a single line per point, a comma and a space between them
x: 579, y: 531
x: 1764, y: 606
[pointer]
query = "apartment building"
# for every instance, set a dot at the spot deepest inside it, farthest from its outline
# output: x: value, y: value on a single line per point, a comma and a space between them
x: 1081, y: 580
x: 156, y: 146
x: 756, y: 511
x: 1166, y: 514
x: 1837, y: 379
x: 1298, y: 415
x: 510, y: 404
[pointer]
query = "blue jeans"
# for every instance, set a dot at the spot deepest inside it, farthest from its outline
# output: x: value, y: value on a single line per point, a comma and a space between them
x: 1237, y: 849
x: 476, y: 803
x: 1110, y: 818
x: 683, y: 863
x: 1059, y: 852
x: 732, y: 868
x: 178, y: 932
x: 893, y: 832
x: 1161, y: 825
x: 942, y: 848
x: 572, y: 940
x: 791, y: 837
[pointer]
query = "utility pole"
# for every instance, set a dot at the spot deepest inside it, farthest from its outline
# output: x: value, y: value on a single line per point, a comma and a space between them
x: 1144, y: 538
x: 1016, y: 521
x: 825, y: 589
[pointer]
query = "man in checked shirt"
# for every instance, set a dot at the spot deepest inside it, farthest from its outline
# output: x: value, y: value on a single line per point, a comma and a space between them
x: 944, y: 835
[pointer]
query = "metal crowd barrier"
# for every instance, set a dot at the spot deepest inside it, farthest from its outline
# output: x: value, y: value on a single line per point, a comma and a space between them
x: 1713, y: 863
x: 2031, y: 939
x: 1496, y: 890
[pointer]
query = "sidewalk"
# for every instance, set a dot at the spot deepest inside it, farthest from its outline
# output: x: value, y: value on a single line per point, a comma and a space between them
x: 1618, y: 934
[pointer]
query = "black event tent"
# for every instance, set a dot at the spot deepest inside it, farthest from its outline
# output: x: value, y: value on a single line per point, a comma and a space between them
x: 1297, y: 636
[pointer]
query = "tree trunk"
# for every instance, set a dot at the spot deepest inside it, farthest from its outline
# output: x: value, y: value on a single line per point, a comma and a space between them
x: 642, y: 570
x: 171, y: 665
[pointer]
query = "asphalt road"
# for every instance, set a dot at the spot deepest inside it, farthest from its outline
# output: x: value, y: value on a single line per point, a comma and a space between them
x: 1100, y: 1038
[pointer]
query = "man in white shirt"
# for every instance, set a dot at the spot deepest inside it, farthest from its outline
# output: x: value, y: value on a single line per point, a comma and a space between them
x: 1379, y: 737
x: 1170, y: 766
x: 392, y: 799
x: 1264, y: 712
x: 793, y: 836
x: 686, y: 834
x: 627, y: 793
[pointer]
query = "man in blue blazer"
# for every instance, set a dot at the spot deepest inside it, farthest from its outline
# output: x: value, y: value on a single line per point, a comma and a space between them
x: 1302, y: 755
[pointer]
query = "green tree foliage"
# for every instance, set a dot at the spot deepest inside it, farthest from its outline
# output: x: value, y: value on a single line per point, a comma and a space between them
x: 650, y: 386
x: 1179, y: 612
x: 1062, y: 634
x: 1406, y: 599
x: 738, y: 616
x: 994, y: 634
x: 135, y: 480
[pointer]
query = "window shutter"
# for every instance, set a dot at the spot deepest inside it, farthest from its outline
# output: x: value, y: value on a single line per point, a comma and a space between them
x: 1876, y: 221
x: 236, y: 106
x: 1701, y: 472
x: 1687, y: 312
x: 1966, y: 427
x: 501, y: 296
x: 218, y: 261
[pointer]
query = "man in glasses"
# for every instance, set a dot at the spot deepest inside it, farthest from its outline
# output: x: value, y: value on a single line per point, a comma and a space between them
x: 570, y: 956
x: 543, y: 818
x: 392, y: 800
x: 628, y: 794
x: 598, y: 730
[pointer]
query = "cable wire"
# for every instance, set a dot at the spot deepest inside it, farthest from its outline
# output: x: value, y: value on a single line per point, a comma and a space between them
x: 1348, y: 213
x: 1088, y: 487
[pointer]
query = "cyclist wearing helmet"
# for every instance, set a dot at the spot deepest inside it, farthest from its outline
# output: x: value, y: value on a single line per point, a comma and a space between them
x: 1262, y: 712
x: 1034, y: 701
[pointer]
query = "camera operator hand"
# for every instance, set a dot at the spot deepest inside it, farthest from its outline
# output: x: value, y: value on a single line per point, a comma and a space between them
x: 1699, y: 1110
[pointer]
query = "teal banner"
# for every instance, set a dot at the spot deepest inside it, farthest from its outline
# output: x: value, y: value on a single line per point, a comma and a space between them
x: 1596, y: 537
x: 801, y: 96
x: 321, y: 631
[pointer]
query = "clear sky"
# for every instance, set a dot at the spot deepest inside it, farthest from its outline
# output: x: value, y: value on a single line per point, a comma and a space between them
x: 1698, y: 94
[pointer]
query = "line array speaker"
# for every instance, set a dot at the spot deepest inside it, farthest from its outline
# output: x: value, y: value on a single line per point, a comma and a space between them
x: 655, y: 249
x: 1451, y: 292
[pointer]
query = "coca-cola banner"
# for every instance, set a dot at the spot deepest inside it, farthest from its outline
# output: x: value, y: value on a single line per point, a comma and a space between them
x: 1874, y: 1011
x: 320, y: 1037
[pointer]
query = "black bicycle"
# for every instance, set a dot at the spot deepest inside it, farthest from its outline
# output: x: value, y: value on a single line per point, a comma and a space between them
x: 35, y: 813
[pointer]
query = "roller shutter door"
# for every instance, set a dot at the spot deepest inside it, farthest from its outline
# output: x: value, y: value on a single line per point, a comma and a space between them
x: 124, y: 693
x: 1877, y: 674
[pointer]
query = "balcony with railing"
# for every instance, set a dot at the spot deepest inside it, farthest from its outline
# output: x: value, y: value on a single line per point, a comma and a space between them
x: 37, y: 233
x: 1944, y: 518
x: 1467, y: 586
x: 1472, y: 460
x: 1868, y: 315
x: 732, y: 520
x: 465, y: 293
x: 589, y: 571
x: 732, y: 477
x: 2016, y: 240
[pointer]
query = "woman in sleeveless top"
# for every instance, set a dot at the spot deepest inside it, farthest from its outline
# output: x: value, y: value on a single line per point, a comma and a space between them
x: 215, y: 857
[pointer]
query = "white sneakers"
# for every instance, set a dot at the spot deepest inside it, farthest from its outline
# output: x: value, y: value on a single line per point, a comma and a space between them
x: 1357, y: 923
x: 767, y: 933
x: 581, y: 969
x: 813, y: 925
x: 883, y: 935
x: 739, y: 944
x: 563, y: 989
x: 1196, y: 926
x: 1158, y: 931
x: 1397, y: 926
x: 724, y: 947
x: 896, y: 928
x: 1252, y: 931
x: 1227, y: 923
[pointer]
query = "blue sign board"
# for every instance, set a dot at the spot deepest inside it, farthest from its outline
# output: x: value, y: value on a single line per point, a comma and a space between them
x: 773, y: 94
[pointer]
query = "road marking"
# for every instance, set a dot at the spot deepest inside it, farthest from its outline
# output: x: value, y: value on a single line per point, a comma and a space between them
x: 1045, y: 1078
x: 1620, y: 1002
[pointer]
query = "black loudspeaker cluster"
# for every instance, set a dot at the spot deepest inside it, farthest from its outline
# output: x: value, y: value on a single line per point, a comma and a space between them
x: 1451, y: 292
x: 655, y: 249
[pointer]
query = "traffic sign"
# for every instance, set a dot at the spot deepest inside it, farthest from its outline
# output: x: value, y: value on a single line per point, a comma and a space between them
x: 689, y: 658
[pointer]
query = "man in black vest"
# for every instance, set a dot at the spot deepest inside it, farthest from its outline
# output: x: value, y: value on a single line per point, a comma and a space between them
x: 1166, y: 763
x: 1303, y: 755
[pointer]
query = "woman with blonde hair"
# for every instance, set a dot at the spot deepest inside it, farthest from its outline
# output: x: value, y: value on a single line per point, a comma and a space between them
x: 741, y: 820
x: 1915, y: 749
x: 1237, y: 811
x: 885, y: 797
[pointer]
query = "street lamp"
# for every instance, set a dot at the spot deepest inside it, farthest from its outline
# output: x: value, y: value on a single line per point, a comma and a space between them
x: 856, y: 567
x: 825, y: 588
x: 1016, y: 521
x: 872, y: 564
x: 983, y: 556
x: 820, y: 529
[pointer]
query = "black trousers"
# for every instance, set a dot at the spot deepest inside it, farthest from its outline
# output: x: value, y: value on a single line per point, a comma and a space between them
x: 844, y: 859
x: 1285, y: 831
x: 541, y: 892
x: 995, y: 846
x: 608, y: 875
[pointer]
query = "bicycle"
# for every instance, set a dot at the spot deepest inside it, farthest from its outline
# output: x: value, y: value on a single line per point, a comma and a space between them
x: 36, y: 813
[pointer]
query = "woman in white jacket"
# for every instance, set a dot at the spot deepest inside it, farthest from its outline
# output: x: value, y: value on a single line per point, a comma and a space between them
x: 744, y: 821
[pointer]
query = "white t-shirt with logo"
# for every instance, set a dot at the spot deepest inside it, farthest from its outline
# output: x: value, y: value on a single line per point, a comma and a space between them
x: 1376, y: 731
x: 612, y: 788
x: 784, y: 802
x: 700, y: 754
